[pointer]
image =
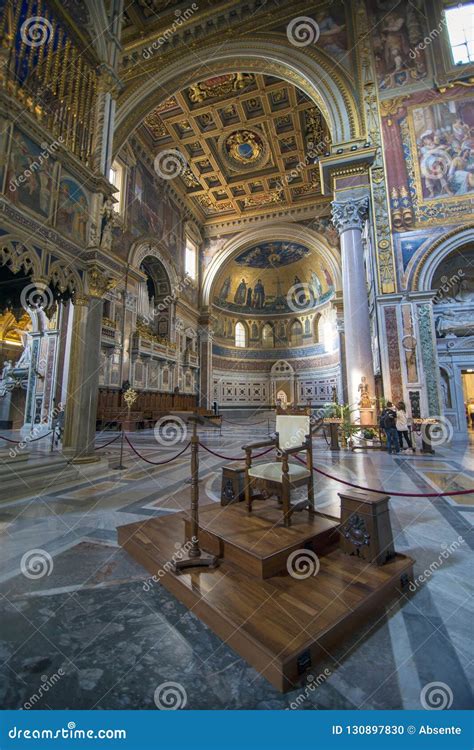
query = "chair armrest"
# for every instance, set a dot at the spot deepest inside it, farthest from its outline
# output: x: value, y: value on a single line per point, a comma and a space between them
x: 261, y: 444
x: 295, y: 449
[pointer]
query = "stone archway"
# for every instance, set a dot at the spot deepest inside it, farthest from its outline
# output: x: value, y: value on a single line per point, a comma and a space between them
x: 285, y: 232
x: 311, y: 70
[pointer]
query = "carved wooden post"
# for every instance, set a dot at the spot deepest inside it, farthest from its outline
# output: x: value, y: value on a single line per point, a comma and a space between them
x: 285, y: 489
x: 365, y: 527
x: 196, y: 558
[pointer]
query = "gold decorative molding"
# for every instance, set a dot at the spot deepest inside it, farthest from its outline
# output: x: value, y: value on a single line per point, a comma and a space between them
x: 98, y: 283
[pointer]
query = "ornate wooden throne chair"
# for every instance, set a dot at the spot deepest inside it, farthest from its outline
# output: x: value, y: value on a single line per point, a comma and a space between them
x: 279, y: 477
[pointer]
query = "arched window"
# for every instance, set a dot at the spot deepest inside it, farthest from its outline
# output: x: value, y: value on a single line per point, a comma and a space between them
x: 267, y: 336
x: 296, y: 333
x: 240, y: 335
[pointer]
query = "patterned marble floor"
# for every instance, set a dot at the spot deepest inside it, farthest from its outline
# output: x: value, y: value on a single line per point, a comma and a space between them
x: 81, y: 630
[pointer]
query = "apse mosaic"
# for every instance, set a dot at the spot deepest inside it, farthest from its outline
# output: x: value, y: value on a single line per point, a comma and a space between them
x: 273, y: 277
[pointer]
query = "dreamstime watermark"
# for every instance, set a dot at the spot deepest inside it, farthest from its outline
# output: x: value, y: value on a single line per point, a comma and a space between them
x: 181, y: 17
x: 447, y: 285
x: 37, y: 296
x: 302, y: 31
x: 36, y: 563
x: 35, y: 31
x: 168, y: 567
x: 170, y: 696
x: 434, y: 34
x: 437, y: 433
x: 46, y: 684
x: 436, y: 564
x: 47, y: 150
x: 169, y: 299
x: 300, y: 297
x: 170, y: 430
x: 313, y: 683
x: 302, y: 563
x: 436, y: 696
x: 169, y: 164
x: 312, y: 153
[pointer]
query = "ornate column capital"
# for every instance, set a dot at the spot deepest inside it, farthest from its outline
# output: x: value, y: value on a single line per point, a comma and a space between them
x: 98, y: 282
x: 80, y: 300
x: 350, y: 214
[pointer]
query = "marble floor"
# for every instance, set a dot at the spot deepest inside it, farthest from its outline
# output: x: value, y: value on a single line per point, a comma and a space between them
x: 79, y: 629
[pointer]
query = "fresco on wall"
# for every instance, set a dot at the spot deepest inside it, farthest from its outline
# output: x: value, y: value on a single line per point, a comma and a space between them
x: 273, y: 277
x: 30, y: 174
x: 72, y: 214
x: 333, y: 33
x: 397, y: 33
x: 444, y: 137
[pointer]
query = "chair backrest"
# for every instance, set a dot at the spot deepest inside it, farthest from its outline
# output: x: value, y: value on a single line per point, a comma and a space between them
x: 292, y: 430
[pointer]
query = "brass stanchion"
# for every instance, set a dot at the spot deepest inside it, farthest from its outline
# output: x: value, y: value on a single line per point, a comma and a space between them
x: 130, y: 397
x: 195, y: 557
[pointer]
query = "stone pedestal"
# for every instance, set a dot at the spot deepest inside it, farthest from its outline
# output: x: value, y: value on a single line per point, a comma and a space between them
x: 367, y: 416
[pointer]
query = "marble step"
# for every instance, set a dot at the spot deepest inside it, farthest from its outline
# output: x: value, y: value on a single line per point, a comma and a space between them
x: 24, y: 478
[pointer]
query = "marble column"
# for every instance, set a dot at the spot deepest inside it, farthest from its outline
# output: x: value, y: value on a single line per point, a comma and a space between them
x: 205, y: 362
x: 83, y: 381
x: 348, y: 217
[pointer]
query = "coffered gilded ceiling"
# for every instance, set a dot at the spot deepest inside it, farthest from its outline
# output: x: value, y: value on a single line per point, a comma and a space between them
x: 244, y: 142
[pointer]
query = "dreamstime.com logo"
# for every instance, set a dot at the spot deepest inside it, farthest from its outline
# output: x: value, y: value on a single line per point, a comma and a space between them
x: 36, y: 563
x: 300, y: 297
x: 169, y: 164
x: 436, y: 696
x: 170, y: 430
x: 302, y: 31
x: 302, y: 563
x: 170, y: 696
x: 181, y: 550
x: 71, y: 732
x: 37, y: 296
x: 36, y: 31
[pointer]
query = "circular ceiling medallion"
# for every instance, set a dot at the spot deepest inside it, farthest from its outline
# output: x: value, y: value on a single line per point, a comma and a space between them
x: 245, y: 148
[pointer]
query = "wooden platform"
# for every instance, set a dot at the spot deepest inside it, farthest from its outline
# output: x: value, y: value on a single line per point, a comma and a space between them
x: 281, y: 625
x: 258, y: 543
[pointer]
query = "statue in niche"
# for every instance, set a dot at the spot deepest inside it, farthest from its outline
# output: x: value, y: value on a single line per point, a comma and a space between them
x: 363, y: 389
x: 240, y: 295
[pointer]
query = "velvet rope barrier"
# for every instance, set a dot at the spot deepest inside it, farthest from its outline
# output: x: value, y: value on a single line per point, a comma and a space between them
x: 98, y: 447
x: 158, y: 463
x: 387, y: 492
x: 234, y: 458
x: 25, y: 440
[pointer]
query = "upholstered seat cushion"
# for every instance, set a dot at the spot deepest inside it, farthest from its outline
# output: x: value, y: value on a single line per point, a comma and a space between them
x: 273, y: 472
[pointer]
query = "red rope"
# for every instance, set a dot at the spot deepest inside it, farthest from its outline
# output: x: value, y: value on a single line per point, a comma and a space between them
x: 98, y: 447
x: 25, y: 440
x: 234, y: 458
x: 387, y: 492
x: 158, y: 463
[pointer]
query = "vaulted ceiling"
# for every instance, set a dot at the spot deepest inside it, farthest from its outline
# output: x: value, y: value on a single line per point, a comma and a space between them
x: 244, y: 142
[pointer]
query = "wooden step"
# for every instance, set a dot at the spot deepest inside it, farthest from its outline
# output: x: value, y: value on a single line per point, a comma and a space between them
x: 282, y: 626
x: 257, y: 542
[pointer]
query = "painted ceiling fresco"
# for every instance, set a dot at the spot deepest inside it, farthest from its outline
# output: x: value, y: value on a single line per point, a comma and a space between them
x: 273, y: 278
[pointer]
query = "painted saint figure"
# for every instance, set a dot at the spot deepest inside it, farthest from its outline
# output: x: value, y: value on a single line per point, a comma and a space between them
x: 259, y: 295
x: 241, y: 293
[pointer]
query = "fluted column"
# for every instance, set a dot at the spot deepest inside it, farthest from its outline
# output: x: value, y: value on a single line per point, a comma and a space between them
x: 349, y: 217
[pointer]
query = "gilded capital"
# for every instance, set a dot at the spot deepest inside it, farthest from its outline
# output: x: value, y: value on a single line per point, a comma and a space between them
x: 350, y: 214
x: 80, y: 300
x: 98, y: 282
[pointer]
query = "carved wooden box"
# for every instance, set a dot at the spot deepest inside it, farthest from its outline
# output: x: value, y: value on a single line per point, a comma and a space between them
x: 365, y: 526
x: 232, y: 489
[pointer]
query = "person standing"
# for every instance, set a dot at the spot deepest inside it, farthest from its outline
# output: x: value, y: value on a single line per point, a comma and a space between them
x: 388, y: 422
x: 402, y: 426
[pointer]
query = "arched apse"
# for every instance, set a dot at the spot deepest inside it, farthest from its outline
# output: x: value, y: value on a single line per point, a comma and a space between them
x: 285, y: 232
x: 312, y: 71
x: 442, y: 247
x: 150, y: 248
